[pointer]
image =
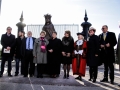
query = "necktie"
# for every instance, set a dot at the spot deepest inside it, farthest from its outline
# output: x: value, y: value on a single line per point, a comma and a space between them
x: 104, y: 36
x: 29, y: 43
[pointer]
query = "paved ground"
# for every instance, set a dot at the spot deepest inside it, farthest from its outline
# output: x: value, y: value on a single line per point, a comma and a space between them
x: 46, y: 83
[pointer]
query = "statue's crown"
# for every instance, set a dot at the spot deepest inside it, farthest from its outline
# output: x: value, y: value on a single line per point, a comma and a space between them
x: 47, y: 16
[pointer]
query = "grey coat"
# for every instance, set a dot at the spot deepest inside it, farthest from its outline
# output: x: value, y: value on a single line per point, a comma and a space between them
x: 41, y: 58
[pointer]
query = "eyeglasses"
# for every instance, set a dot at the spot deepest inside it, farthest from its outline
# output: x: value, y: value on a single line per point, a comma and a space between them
x: 103, y: 28
x: 8, y: 29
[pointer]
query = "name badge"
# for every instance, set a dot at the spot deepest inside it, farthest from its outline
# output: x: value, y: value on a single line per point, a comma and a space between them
x: 6, y: 51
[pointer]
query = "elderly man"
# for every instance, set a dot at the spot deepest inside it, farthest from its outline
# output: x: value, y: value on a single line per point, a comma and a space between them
x: 107, y: 43
x: 8, y: 43
x: 27, y: 53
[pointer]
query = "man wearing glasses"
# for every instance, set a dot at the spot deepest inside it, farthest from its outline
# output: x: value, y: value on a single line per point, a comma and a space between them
x: 8, y: 43
x: 107, y: 43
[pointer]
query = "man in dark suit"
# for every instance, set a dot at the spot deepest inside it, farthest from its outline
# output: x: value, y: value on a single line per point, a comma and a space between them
x: 107, y: 43
x: 18, y: 56
x: 27, y: 53
x: 8, y: 44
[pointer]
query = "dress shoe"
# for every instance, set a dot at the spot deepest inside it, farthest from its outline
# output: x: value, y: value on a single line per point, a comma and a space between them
x: 64, y: 77
x: 9, y: 75
x: 90, y: 79
x: 16, y: 74
x: 41, y: 76
x: 94, y: 80
x: 38, y: 76
x: 79, y: 78
x: 112, y: 82
x: 1, y: 75
x: 25, y: 75
x: 104, y: 80
x: 31, y: 75
x: 67, y: 76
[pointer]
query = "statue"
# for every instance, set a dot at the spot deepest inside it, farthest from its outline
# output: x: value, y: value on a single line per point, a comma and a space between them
x: 85, y: 26
x: 48, y: 27
x: 21, y: 25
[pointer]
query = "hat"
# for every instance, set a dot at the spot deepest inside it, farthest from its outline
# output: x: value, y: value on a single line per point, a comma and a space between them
x: 79, y: 33
x: 92, y: 28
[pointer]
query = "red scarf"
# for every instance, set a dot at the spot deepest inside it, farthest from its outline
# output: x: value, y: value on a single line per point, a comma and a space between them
x: 43, y: 46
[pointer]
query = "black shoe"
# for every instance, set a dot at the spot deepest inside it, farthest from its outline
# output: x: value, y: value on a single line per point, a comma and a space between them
x: 41, y: 76
x: 112, y: 82
x: 67, y: 76
x: 94, y: 80
x: 79, y: 78
x: 38, y: 76
x: 25, y: 75
x: 104, y: 80
x: 16, y: 74
x: 31, y: 75
x: 1, y: 75
x: 9, y: 75
x: 64, y: 76
x: 90, y: 79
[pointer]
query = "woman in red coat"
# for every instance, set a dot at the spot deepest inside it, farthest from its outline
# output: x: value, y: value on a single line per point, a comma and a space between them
x: 79, y: 60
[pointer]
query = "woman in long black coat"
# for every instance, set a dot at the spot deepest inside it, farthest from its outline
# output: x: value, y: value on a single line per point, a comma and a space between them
x: 92, y: 54
x: 54, y: 55
x: 67, y: 50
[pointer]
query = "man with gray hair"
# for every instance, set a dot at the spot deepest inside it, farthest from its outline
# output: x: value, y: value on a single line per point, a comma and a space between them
x: 27, y: 53
x: 8, y: 43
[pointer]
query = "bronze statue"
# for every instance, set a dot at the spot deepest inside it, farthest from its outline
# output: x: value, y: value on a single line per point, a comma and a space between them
x: 21, y: 25
x: 48, y: 27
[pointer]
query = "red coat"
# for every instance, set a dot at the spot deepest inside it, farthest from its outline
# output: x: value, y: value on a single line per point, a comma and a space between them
x: 79, y: 64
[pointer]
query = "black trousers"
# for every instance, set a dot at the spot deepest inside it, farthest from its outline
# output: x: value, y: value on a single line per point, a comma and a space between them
x: 29, y: 65
x: 4, y: 59
x: 40, y: 69
x: 111, y: 68
x: 93, y: 71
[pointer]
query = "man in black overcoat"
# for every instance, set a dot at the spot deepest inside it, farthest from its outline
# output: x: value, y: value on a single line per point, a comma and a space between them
x: 107, y: 43
x: 18, y: 56
x: 27, y: 54
x: 8, y: 46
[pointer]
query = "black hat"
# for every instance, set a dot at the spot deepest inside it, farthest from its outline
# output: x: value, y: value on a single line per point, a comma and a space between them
x: 79, y: 33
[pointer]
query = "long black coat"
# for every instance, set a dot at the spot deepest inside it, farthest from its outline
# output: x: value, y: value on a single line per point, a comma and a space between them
x: 107, y: 54
x: 18, y: 44
x: 93, y: 48
x: 8, y: 41
x: 56, y: 46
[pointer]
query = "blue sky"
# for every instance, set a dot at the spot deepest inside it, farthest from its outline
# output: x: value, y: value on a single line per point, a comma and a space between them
x: 100, y: 12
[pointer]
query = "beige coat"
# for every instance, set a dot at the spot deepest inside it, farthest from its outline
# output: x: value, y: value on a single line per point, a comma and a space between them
x: 41, y: 58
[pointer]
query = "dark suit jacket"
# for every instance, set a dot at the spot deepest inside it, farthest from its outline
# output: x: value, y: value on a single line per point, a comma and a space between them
x: 18, y: 44
x: 107, y: 54
x: 23, y: 46
x: 8, y: 41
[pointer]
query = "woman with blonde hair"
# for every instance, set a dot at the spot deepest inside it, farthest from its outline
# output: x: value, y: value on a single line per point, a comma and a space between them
x: 67, y: 49
x: 40, y: 53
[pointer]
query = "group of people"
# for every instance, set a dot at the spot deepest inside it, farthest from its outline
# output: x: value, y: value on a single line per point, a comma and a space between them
x: 49, y: 54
